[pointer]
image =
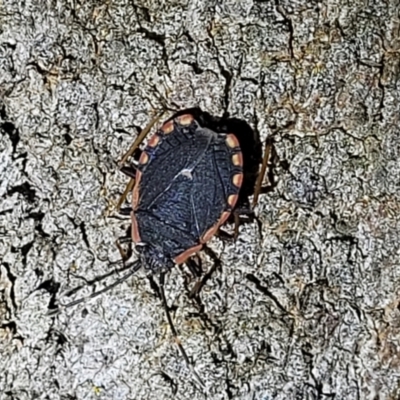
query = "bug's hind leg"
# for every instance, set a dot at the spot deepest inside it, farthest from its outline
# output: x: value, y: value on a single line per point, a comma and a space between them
x: 174, y: 332
x: 241, y: 214
x: 261, y: 175
x: 194, y: 267
x: 194, y: 293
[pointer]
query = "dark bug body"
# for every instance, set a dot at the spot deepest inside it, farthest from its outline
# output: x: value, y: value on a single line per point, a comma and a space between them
x: 187, y: 184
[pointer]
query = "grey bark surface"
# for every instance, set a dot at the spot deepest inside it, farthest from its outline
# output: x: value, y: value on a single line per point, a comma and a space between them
x: 304, y: 305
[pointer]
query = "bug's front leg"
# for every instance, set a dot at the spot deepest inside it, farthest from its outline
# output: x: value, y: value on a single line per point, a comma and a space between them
x: 124, y: 195
x: 140, y: 138
x: 130, y: 171
x: 134, y: 151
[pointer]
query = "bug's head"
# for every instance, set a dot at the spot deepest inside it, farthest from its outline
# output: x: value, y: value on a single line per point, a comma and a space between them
x: 153, y: 257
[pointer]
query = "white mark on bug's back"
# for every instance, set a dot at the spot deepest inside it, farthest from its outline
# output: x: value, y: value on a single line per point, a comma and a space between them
x: 194, y: 214
x: 186, y: 172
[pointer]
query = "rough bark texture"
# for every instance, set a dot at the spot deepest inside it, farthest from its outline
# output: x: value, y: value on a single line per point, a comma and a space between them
x: 305, y: 305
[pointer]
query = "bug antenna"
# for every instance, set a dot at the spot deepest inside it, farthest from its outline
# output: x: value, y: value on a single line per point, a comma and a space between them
x: 135, y: 267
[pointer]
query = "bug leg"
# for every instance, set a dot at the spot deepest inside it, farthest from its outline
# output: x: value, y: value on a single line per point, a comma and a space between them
x: 124, y: 239
x: 129, y: 171
x: 260, y: 178
x: 223, y: 235
x: 128, y: 188
x: 236, y: 216
x: 199, y: 284
x: 129, y: 153
x: 174, y: 332
x: 195, y: 268
x: 125, y: 254
x: 125, y: 211
x: 134, y: 268
x: 241, y: 214
x: 140, y: 138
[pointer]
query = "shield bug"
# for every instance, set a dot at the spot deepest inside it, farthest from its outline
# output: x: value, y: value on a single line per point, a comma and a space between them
x: 196, y: 172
